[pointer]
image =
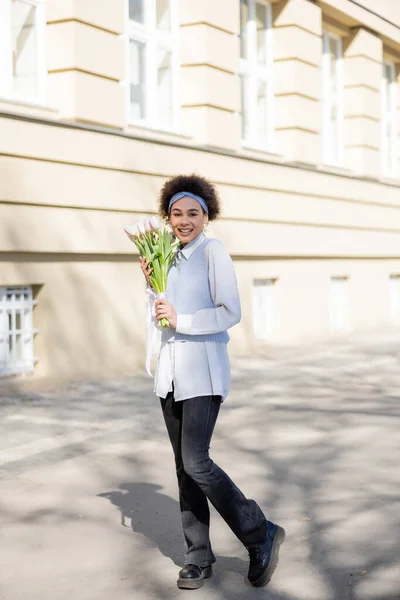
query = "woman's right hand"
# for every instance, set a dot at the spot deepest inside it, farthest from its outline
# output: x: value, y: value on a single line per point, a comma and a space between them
x: 144, y: 264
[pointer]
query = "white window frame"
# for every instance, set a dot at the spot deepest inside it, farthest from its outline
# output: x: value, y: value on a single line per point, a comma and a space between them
x: 10, y: 305
x: 6, y: 54
x: 254, y: 72
x: 264, y: 325
x: 394, y: 297
x: 332, y: 156
x: 154, y: 38
x: 339, y: 323
x: 389, y: 118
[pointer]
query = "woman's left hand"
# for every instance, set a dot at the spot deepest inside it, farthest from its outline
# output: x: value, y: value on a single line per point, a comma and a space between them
x: 165, y: 310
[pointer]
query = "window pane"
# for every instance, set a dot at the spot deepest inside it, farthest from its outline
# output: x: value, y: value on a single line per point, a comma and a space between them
x: 244, y: 81
x: 24, y: 48
x: 244, y: 16
x: 338, y: 304
x: 264, y: 317
x: 164, y: 14
x: 18, y: 347
x: 332, y: 100
x: 387, y: 150
x: 136, y: 10
x: 10, y: 328
x: 387, y: 80
x: 394, y: 297
x: 262, y: 109
x: 333, y: 51
x: 261, y: 22
x: 389, y: 126
x: 333, y: 47
x: 164, y: 96
x: 387, y: 72
x: 137, y: 79
x: 387, y: 95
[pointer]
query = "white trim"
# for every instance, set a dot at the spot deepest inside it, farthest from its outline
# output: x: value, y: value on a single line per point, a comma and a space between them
x: 253, y: 73
x: 154, y: 40
x: 389, y: 120
x: 332, y: 140
x: 6, y: 53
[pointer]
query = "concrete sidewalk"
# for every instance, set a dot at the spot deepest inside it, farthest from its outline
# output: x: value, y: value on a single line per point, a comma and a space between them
x: 88, y: 497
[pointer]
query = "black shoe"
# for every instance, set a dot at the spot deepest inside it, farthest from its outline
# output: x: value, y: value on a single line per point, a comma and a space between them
x: 264, y: 557
x: 192, y: 577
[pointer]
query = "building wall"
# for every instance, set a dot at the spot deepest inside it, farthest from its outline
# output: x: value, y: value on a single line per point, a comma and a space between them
x: 73, y: 173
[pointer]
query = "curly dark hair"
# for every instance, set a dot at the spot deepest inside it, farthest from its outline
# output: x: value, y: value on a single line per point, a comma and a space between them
x: 190, y: 183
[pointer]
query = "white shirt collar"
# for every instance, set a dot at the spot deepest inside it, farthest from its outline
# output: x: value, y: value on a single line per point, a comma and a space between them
x: 188, y: 250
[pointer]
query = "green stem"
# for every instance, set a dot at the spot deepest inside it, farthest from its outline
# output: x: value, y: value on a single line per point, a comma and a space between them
x: 164, y: 323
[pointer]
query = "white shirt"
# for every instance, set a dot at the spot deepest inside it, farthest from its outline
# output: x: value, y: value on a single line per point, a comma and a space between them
x: 202, y: 368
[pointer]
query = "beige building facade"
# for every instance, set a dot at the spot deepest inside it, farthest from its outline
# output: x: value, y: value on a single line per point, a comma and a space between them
x: 290, y: 107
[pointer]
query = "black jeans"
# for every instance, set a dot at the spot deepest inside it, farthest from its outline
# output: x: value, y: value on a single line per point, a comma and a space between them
x: 190, y: 424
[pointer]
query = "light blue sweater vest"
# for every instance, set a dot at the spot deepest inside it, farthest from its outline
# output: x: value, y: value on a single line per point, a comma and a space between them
x: 188, y: 290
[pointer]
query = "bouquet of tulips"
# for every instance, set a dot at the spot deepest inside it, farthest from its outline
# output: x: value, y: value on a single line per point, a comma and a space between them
x: 157, y: 245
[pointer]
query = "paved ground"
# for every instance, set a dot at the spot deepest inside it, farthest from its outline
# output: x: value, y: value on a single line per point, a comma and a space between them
x: 88, y: 504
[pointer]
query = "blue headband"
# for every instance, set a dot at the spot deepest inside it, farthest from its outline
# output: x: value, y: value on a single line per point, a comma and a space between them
x: 180, y: 195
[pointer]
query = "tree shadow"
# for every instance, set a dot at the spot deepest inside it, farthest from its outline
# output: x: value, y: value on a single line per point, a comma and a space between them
x: 149, y: 512
x: 314, y: 441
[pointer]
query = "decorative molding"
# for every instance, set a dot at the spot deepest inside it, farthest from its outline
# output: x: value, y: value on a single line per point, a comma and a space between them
x: 81, y: 22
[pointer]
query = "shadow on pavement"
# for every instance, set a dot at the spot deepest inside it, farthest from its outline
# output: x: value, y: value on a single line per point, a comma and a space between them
x: 314, y: 441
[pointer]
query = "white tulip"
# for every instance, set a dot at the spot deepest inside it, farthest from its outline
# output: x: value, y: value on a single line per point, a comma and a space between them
x: 131, y: 230
x: 140, y: 228
x: 155, y: 224
x: 147, y: 225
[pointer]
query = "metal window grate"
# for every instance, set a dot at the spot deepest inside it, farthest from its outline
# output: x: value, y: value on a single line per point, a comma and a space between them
x: 16, y: 330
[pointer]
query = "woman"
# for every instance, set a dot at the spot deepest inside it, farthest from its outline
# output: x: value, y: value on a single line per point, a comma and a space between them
x: 192, y: 380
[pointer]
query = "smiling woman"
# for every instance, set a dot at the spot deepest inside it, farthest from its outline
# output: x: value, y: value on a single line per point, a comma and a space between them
x: 187, y: 219
x: 193, y: 376
x: 196, y: 185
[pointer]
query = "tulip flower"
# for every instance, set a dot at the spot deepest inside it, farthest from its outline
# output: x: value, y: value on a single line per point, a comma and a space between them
x: 158, y: 246
x: 141, y: 229
x: 155, y: 224
x: 131, y: 230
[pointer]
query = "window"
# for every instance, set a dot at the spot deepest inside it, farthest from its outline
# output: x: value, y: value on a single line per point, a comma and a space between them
x: 338, y: 304
x: 394, y: 297
x: 16, y: 330
x: 22, y: 57
x: 264, y: 310
x: 332, y: 100
x: 153, y: 59
x: 389, y: 120
x: 256, y: 67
